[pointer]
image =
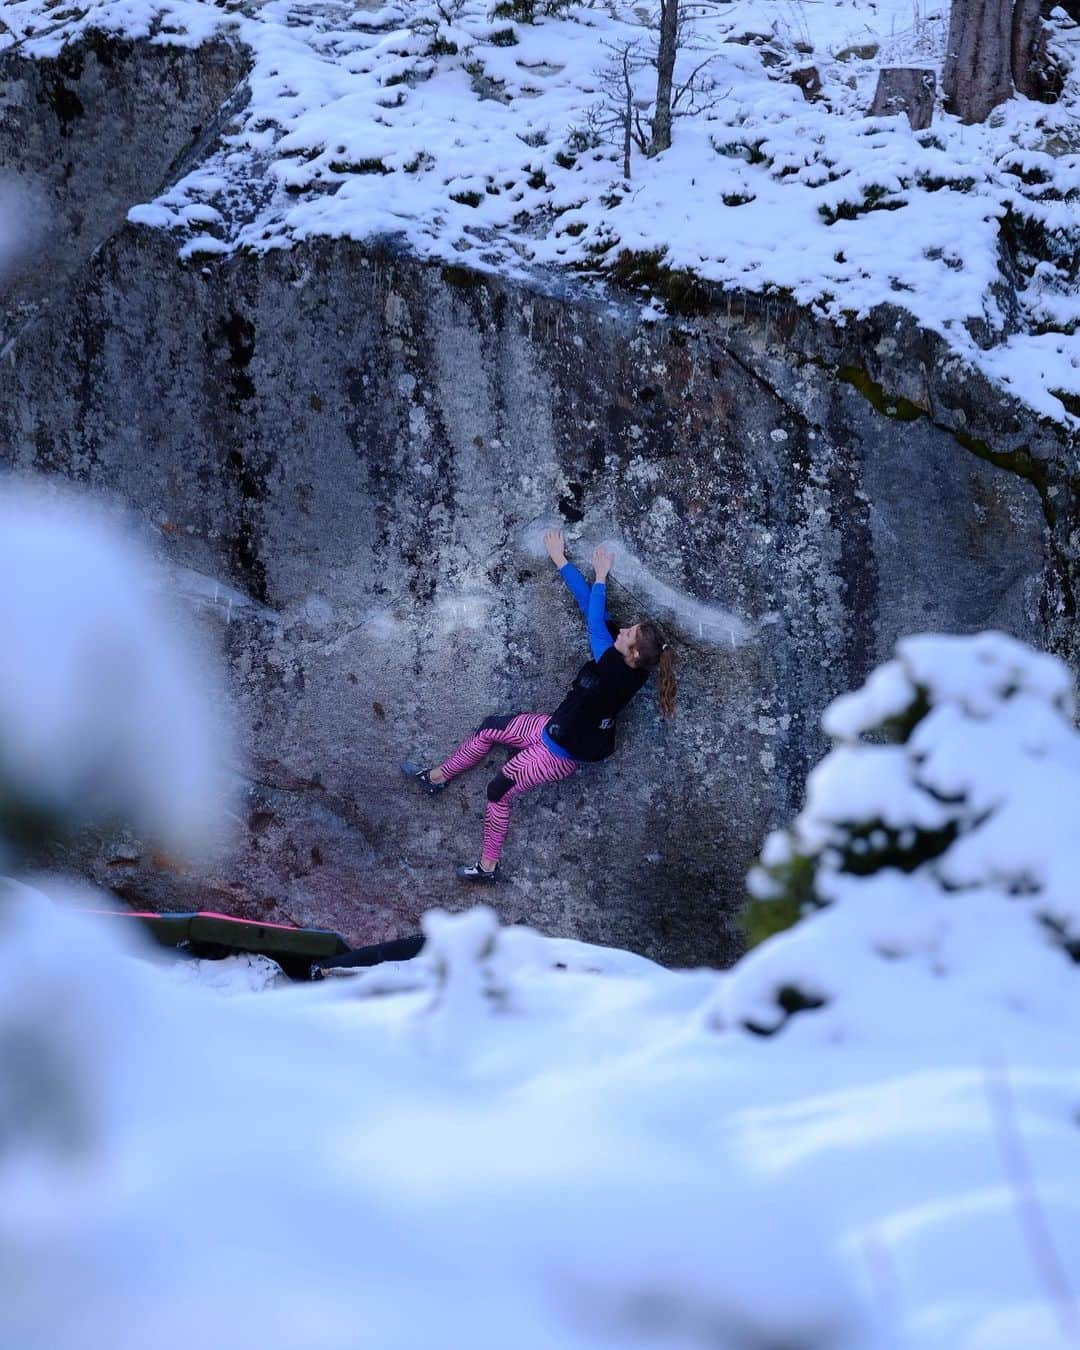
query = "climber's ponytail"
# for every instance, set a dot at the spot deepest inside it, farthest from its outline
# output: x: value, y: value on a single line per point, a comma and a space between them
x: 666, y: 687
x: 653, y: 650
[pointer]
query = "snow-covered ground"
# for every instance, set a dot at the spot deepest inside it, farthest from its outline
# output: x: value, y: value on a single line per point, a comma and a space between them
x: 466, y: 133
x: 478, y: 1150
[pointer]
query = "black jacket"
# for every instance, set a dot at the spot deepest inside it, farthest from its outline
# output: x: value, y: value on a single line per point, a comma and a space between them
x: 584, y: 722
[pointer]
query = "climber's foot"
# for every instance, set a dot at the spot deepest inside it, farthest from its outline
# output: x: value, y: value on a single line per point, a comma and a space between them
x: 422, y: 777
x: 476, y: 872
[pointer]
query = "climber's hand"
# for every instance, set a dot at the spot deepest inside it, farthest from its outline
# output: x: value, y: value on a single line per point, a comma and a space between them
x: 556, y: 547
x: 602, y: 559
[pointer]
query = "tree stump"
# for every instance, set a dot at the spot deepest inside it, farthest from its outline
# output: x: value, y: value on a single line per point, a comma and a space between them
x: 809, y: 81
x: 906, y: 89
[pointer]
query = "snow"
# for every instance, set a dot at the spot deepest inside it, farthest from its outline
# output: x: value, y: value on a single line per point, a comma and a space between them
x: 501, y: 1153
x: 245, y: 973
x: 358, y: 127
x: 943, y: 866
x: 102, y: 688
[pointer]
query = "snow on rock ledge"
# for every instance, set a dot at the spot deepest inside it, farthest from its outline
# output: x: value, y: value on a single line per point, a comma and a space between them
x: 969, y: 228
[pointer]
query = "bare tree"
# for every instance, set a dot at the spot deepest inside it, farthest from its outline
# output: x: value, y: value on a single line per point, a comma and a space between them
x: 618, y: 115
x: 996, y: 48
x: 698, y: 92
x: 666, y: 52
x: 621, y: 114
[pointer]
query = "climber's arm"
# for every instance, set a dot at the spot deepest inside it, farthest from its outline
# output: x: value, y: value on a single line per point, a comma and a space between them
x: 596, y: 614
x: 576, y: 583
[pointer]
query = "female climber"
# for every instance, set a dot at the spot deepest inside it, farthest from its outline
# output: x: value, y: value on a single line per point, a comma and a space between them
x: 548, y: 748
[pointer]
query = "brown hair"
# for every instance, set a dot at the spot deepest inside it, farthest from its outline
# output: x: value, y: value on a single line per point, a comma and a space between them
x: 654, y: 650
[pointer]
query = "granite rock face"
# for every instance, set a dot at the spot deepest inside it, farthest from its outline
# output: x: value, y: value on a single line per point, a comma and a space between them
x: 348, y: 457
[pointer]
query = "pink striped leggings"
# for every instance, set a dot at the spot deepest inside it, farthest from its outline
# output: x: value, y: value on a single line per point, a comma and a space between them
x: 531, y: 767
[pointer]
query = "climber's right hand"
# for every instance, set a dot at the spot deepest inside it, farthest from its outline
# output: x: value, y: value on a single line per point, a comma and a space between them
x: 556, y: 547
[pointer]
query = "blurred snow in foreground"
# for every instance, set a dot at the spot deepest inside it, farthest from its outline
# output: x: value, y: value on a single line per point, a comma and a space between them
x: 865, y: 1135
x: 104, y: 706
x: 244, y: 973
x: 940, y: 845
x: 475, y: 1149
x: 23, y: 223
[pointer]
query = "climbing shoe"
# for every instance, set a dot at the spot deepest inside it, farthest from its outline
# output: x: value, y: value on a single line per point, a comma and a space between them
x: 474, y: 872
x: 420, y: 776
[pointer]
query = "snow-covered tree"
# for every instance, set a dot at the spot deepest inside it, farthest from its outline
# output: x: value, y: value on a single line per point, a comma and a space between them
x: 940, y: 837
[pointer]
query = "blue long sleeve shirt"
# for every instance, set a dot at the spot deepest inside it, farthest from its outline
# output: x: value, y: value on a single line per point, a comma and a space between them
x: 592, y: 601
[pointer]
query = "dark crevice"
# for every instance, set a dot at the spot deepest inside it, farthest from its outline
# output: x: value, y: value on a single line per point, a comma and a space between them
x: 571, y: 503
x: 202, y: 138
x: 239, y: 333
x: 759, y: 379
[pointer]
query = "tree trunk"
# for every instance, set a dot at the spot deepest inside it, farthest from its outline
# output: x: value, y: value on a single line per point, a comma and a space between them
x: 1035, y: 72
x: 628, y: 115
x: 1026, y: 32
x: 996, y: 46
x: 665, y: 74
x: 978, y: 58
x: 905, y: 89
